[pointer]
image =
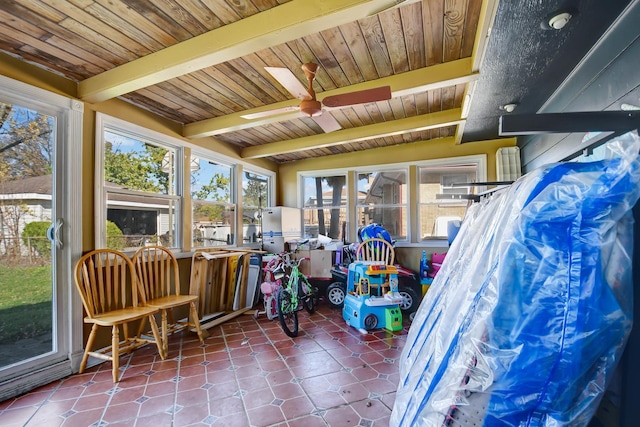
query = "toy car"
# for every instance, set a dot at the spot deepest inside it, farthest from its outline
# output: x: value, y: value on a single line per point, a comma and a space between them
x: 372, y: 299
x: 409, y: 288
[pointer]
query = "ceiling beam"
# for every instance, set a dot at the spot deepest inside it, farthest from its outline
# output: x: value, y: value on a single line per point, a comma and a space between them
x: 412, y: 82
x: 281, y: 24
x: 345, y: 136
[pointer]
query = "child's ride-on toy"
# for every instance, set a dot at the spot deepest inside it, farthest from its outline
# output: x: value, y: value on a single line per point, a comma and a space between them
x: 366, y: 305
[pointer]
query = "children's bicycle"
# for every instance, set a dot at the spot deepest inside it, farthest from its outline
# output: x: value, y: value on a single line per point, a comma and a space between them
x: 272, y: 283
x: 296, y: 293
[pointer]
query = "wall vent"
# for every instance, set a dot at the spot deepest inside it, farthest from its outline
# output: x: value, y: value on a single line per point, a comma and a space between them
x: 508, y: 164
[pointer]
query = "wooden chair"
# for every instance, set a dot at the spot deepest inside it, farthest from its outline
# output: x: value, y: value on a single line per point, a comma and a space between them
x: 376, y: 249
x: 157, y: 270
x: 112, y: 297
x: 379, y: 251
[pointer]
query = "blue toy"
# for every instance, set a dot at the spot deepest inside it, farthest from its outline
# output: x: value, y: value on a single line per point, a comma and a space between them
x: 367, y: 306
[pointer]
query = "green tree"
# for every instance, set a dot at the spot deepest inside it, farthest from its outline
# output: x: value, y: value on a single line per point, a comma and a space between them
x: 136, y: 170
x: 337, y: 184
x: 217, y: 190
x: 26, y: 143
x: 254, y: 194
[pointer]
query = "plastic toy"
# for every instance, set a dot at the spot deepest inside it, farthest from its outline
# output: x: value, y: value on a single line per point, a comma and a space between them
x: 372, y: 299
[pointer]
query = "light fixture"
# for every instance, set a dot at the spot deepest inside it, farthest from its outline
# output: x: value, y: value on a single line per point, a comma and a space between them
x: 509, y: 107
x: 557, y: 22
x: 629, y: 107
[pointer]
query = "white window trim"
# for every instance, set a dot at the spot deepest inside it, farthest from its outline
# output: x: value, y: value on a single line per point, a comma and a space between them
x: 69, y: 304
x: 210, y: 156
x: 104, y: 122
x: 480, y: 160
x: 323, y: 173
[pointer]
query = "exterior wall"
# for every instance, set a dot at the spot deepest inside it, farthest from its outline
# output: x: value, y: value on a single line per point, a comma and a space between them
x: 606, y: 78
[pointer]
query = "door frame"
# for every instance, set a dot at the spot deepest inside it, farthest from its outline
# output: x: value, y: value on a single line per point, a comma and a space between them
x: 66, y: 206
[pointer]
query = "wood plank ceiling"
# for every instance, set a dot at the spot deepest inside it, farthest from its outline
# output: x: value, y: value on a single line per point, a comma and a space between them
x: 201, y: 63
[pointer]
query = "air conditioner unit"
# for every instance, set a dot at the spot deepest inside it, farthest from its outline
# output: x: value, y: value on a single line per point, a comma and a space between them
x: 508, y: 164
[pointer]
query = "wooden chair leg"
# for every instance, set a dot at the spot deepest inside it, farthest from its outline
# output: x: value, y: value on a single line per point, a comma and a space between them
x: 88, y: 347
x: 115, y: 351
x: 165, y: 333
x: 156, y: 335
x: 195, y: 321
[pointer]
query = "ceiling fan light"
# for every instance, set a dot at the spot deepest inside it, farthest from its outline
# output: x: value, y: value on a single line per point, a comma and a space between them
x: 311, y: 107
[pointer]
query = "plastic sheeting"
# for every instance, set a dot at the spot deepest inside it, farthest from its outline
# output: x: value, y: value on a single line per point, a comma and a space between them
x: 528, y: 317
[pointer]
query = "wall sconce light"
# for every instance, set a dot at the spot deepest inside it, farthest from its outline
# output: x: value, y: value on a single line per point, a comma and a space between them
x: 557, y: 22
x: 509, y: 107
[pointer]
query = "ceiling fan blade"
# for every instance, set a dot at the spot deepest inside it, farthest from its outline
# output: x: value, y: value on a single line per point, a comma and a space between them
x: 289, y: 81
x: 327, y: 122
x: 268, y: 113
x: 361, y: 97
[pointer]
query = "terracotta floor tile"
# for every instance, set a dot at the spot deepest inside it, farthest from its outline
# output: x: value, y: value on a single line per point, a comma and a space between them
x: 155, y: 420
x: 265, y: 416
x: 84, y: 418
x: 121, y: 412
x: 220, y: 390
x: 191, y: 382
x: 93, y: 401
x: 308, y: 421
x: 287, y: 391
x: 231, y: 421
x: 256, y: 398
x: 353, y: 392
x: 254, y: 383
x: 192, y: 397
x: 326, y: 399
x: 127, y: 395
x: 297, y: 407
x: 154, y: 405
x: 160, y: 389
x: 191, y: 415
x: 18, y: 416
x: 371, y: 409
x: 227, y: 406
x: 219, y: 377
x: 342, y: 416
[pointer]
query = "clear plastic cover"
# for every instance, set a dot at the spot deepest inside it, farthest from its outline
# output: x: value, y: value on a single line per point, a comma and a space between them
x: 529, y: 314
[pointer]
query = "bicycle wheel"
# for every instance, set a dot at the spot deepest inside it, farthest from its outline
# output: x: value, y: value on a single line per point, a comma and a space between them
x: 287, y: 313
x: 308, y: 295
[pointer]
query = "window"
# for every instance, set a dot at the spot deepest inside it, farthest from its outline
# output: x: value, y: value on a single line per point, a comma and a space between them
x: 255, y: 196
x: 382, y: 199
x: 339, y: 205
x: 324, y: 205
x: 213, y: 208
x: 435, y: 213
x: 141, y: 179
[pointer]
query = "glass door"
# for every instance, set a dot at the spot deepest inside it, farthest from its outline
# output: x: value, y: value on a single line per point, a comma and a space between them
x: 35, y: 287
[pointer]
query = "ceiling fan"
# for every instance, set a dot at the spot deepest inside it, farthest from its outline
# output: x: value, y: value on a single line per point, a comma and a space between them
x: 313, y: 108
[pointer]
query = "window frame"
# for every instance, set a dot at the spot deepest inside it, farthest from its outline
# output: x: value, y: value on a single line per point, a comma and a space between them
x: 480, y: 162
x: 270, y: 191
x: 106, y: 123
x: 412, y: 195
x: 231, y: 205
x: 323, y: 174
x: 380, y: 170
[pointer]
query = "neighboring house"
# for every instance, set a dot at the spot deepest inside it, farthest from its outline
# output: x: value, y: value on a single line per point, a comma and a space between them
x: 28, y: 200
x: 21, y: 202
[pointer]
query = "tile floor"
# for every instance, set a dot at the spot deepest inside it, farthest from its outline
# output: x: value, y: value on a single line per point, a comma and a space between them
x: 247, y: 373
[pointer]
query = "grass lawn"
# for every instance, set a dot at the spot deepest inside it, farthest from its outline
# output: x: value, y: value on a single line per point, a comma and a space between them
x: 25, y: 302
